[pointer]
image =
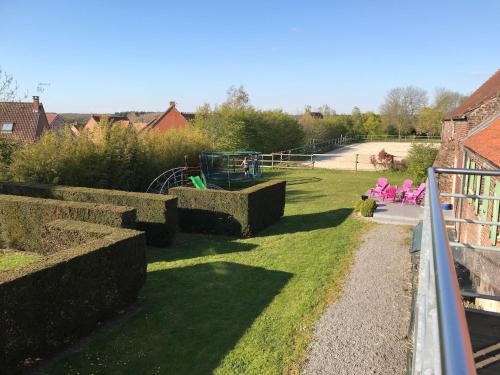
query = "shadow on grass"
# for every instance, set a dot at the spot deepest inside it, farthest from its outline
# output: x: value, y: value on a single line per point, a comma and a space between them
x: 296, y: 196
x: 308, y: 222
x: 191, y: 318
x: 190, y: 245
x: 301, y: 181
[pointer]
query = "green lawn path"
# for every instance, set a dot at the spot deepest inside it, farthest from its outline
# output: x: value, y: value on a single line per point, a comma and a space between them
x: 15, y: 259
x: 218, y: 305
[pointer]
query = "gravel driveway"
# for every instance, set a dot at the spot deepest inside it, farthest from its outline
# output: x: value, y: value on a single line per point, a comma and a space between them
x: 364, y: 331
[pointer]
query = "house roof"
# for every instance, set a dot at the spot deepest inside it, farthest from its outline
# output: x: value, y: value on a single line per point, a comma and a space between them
x: 188, y: 115
x: 488, y: 90
x: 485, y: 140
x: 111, y: 119
x: 51, y: 118
x: 28, y: 122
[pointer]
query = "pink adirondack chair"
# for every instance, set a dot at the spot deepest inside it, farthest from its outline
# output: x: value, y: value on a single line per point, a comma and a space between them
x: 405, y: 188
x: 382, y: 184
x: 390, y: 192
x: 415, y: 196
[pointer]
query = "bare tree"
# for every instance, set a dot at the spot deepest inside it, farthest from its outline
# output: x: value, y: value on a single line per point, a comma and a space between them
x: 237, y: 97
x: 446, y: 100
x: 8, y: 87
x: 401, y: 107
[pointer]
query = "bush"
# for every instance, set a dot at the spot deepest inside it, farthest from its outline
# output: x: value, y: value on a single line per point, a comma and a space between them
x: 358, y: 205
x: 116, y: 158
x: 420, y: 157
x: 60, y: 298
x: 156, y: 214
x: 236, y: 213
x: 23, y: 219
x: 367, y: 207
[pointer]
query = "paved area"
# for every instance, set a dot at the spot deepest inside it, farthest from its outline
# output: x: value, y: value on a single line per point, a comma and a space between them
x: 345, y: 157
x: 398, y: 213
x: 364, y: 331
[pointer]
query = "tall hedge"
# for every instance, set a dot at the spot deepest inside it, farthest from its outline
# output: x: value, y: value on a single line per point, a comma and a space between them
x: 156, y: 214
x: 52, y: 302
x: 235, y: 213
x: 22, y: 219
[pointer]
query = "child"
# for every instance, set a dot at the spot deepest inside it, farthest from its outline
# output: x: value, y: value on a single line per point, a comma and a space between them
x: 246, y: 167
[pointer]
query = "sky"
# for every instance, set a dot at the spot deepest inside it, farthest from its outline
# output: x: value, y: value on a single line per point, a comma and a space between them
x: 106, y: 56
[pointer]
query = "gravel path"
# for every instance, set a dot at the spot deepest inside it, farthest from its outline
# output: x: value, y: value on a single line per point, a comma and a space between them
x: 364, y: 331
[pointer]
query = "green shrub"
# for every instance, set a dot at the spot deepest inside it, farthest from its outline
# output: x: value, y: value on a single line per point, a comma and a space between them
x: 22, y: 219
x: 421, y: 156
x: 235, y: 213
x: 156, y: 214
x: 52, y: 302
x: 358, y: 205
x: 119, y: 158
x: 367, y: 208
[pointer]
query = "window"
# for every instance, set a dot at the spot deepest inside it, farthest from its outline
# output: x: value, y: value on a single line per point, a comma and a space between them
x: 6, y: 127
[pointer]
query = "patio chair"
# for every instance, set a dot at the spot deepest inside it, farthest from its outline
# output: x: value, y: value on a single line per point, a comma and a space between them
x: 415, y: 196
x: 389, y: 192
x: 382, y: 184
x: 405, y: 188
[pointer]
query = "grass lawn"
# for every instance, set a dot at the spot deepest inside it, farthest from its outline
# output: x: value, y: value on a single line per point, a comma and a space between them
x: 216, y: 304
x: 14, y: 259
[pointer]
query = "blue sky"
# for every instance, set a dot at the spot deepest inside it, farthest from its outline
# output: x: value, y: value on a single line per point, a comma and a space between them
x: 106, y: 56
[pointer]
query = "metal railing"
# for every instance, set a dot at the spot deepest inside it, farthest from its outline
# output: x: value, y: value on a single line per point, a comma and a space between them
x: 442, y: 342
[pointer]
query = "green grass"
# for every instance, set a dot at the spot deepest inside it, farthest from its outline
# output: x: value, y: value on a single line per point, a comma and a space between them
x: 215, y: 304
x: 15, y: 259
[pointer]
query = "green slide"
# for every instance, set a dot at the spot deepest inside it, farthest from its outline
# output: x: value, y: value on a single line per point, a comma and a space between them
x: 197, y: 182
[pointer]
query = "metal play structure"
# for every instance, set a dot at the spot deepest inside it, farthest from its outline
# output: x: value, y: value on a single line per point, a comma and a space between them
x: 231, y: 166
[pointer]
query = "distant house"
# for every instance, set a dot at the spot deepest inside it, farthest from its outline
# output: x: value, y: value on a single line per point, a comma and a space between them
x: 55, y: 121
x: 24, y: 122
x: 170, y: 119
x: 94, y: 119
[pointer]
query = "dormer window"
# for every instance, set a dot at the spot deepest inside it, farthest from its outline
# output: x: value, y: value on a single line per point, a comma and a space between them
x: 6, y: 127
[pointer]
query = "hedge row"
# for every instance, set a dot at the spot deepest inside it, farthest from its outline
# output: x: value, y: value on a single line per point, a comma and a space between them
x: 62, y: 297
x: 234, y: 213
x: 156, y: 214
x: 22, y: 219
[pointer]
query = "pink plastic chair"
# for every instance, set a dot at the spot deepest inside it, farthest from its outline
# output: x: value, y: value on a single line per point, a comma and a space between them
x: 415, y: 196
x: 390, y: 192
x: 382, y: 184
x: 405, y: 188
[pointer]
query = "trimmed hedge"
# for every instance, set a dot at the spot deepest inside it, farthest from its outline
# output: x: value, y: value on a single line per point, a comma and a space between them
x: 22, y: 219
x: 235, y: 213
x: 156, y: 214
x: 52, y: 302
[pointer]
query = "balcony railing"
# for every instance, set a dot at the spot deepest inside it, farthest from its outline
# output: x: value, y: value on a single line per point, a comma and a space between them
x: 442, y: 342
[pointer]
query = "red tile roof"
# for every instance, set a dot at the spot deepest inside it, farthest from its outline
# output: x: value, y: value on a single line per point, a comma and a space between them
x: 51, y: 118
x: 488, y: 90
x: 486, y: 142
x: 28, y: 122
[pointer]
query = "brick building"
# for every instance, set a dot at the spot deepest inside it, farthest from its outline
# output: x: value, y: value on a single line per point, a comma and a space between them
x: 23, y: 121
x: 479, y: 106
x: 170, y: 119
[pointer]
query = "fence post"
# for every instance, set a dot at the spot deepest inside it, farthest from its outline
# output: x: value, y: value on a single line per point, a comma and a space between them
x: 272, y: 161
x: 312, y: 160
x: 356, y: 163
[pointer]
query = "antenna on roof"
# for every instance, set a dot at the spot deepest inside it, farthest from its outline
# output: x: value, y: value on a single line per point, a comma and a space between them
x: 41, y: 87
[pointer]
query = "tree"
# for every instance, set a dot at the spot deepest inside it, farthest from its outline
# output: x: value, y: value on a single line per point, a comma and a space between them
x: 237, y: 97
x: 401, y: 107
x: 429, y: 121
x: 8, y: 87
x: 372, y: 124
x: 446, y: 100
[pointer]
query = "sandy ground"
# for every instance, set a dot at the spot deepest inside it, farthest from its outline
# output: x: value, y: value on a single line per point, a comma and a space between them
x: 345, y: 157
x: 365, y: 331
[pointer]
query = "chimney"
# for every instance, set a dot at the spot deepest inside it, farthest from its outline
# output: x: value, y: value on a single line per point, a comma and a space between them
x: 172, y: 103
x: 36, y: 103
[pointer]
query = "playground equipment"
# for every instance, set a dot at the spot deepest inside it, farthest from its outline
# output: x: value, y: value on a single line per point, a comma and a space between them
x: 173, y: 177
x: 215, y: 167
x: 231, y: 166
